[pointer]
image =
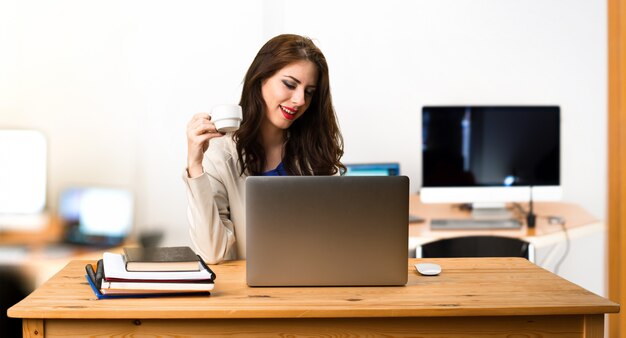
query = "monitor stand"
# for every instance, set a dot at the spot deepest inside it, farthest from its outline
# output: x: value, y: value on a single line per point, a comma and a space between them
x: 490, y: 211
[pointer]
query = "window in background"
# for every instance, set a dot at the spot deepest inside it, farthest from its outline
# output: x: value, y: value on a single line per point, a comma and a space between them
x: 23, y: 172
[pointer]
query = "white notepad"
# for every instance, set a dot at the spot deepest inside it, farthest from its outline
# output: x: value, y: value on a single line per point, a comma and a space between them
x: 114, y: 268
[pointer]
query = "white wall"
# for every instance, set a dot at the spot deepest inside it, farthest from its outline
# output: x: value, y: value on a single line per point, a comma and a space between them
x: 388, y: 61
x: 113, y: 83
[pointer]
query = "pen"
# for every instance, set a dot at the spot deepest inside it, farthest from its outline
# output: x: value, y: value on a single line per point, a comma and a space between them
x: 213, y: 276
x: 91, y: 273
x: 99, y: 274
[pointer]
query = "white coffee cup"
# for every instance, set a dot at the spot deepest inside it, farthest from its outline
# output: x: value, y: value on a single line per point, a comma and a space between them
x: 226, y: 117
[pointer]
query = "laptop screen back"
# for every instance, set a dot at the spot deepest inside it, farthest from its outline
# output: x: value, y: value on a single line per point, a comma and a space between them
x: 326, y: 230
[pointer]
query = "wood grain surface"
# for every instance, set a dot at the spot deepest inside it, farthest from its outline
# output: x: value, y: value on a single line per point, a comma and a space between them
x: 466, y: 287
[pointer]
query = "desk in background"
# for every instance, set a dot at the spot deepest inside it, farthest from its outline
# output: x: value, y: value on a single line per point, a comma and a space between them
x: 576, y: 219
x: 587, y: 236
x: 30, y: 257
x: 472, y: 297
x: 38, y: 254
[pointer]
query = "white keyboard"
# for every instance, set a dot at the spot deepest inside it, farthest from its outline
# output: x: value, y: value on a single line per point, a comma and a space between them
x: 474, y: 224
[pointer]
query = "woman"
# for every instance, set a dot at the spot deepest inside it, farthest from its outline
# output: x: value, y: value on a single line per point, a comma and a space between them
x: 289, y: 127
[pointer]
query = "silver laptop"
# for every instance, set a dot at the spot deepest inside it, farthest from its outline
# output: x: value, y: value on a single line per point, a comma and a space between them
x: 327, y: 230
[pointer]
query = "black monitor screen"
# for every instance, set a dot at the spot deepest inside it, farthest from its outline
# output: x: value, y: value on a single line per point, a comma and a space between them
x: 467, y: 146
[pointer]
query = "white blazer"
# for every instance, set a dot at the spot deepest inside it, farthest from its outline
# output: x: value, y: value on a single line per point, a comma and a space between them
x: 216, y: 212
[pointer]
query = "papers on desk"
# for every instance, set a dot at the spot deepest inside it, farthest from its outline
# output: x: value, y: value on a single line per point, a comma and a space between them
x: 116, y: 270
x: 110, y: 279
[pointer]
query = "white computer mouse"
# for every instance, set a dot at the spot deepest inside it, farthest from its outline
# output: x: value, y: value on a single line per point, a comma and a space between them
x: 428, y: 269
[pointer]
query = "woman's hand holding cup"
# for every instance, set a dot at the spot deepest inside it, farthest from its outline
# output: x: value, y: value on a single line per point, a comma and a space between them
x: 203, y: 127
x: 200, y: 130
x: 227, y: 117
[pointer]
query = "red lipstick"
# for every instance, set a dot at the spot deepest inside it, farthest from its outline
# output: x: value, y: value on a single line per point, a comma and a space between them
x: 286, y: 115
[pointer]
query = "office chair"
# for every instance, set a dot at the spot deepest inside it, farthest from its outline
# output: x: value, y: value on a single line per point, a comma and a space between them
x: 477, y: 246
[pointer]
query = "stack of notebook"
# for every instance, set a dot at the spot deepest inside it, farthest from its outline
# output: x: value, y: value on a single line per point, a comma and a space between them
x: 149, y: 272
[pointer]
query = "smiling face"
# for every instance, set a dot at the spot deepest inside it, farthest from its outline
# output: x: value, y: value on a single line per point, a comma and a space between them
x: 288, y: 93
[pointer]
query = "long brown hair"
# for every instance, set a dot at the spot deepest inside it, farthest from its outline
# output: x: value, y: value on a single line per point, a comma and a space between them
x: 314, y: 143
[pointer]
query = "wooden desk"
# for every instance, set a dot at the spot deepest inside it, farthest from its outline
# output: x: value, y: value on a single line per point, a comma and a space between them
x: 576, y: 218
x: 547, y: 238
x: 585, y: 233
x: 494, y: 297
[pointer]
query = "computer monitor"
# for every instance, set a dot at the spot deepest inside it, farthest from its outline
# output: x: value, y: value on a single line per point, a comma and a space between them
x: 490, y: 154
x: 96, y: 216
x: 373, y: 169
